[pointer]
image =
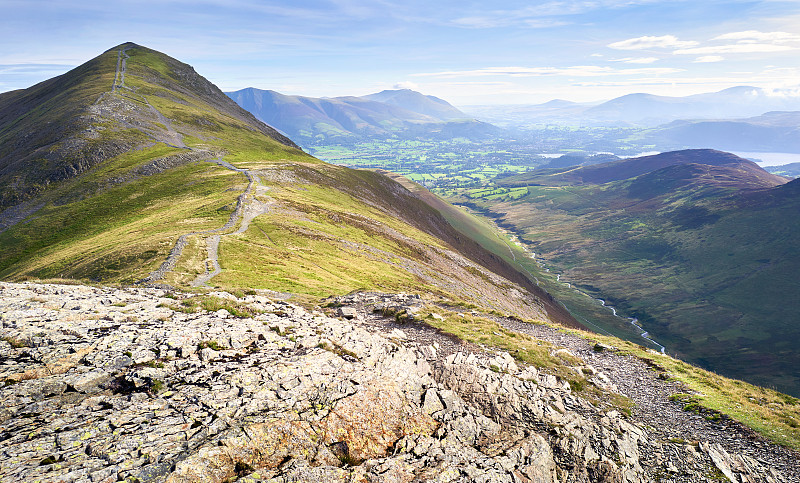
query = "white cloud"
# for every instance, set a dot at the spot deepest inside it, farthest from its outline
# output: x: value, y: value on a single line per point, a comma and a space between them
x: 755, y: 35
x: 487, y: 21
x: 786, y: 92
x: 638, y: 60
x: 406, y: 85
x: 652, y: 42
x: 735, y: 49
x: 708, y: 59
x: 573, y: 71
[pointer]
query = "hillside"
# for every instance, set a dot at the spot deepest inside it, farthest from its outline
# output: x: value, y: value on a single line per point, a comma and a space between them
x: 700, y: 248
x: 199, y: 192
x: 65, y: 126
x: 405, y: 114
x: 748, y: 173
x: 791, y: 170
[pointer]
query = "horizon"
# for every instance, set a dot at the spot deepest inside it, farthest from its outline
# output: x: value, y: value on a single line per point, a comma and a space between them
x: 510, y: 54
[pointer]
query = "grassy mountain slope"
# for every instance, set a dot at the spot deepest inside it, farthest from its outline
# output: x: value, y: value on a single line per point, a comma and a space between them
x: 64, y: 126
x: 311, y: 120
x: 192, y: 165
x: 703, y: 254
x: 200, y: 192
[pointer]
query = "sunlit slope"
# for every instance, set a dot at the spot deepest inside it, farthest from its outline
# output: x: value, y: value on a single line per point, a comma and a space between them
x: 705, y: 255
x: 200, y: 193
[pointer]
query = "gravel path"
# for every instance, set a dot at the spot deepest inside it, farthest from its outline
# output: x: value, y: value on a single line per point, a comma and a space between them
x: 247, y: 208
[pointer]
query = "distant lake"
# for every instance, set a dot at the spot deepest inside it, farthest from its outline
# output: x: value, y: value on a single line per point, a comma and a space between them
x: 770, y: 159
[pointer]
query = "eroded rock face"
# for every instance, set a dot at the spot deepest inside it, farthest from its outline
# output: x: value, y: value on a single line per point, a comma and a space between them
x: 107, y: 385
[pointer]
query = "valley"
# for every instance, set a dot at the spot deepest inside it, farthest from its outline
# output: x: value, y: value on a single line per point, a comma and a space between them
x: 673, y: 247
x: 405, y: 294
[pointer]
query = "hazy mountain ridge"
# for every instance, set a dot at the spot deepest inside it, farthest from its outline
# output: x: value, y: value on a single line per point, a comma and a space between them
x: 632, y: 167
x: 777, y: 131
x: 400, y: 113
x: 646, y: 110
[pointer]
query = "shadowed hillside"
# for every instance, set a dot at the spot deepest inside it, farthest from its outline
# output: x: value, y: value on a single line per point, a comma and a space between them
x: 699, y: 245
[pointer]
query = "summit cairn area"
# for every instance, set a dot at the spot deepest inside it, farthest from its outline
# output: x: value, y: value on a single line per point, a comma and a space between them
x: 145, y: 384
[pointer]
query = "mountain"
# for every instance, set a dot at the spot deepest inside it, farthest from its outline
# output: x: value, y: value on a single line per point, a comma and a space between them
x: 777, y: 131
x: 699, y: 245
x: 644, y: 110
x: 416, y: 102
x: 404, y: 113
x: 147, y: 173
x: 403, y: 338
x: 735, y: 102
x: 750, y: 174
x: 791, y: 170
x: 64, y: 126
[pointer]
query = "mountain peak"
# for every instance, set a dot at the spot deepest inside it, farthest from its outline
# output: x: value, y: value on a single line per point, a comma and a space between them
x: 418, y: 102
x: 748, y: 174
x: 126, y: 45
x: 66, y: 125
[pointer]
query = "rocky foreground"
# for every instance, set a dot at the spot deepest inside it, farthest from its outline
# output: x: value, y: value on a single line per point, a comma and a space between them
x: 104, y: 385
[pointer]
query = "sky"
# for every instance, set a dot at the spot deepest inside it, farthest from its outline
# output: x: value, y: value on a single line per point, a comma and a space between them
x: 467, y: 52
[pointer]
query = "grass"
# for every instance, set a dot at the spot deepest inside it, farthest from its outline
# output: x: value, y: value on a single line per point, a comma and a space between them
x: 524, y: 348
x: 130, y: 226
x: 774, y: 415
x: 710, y: 279
x: 15, y: 342
x: 211, y: 344
x: 211, y: 303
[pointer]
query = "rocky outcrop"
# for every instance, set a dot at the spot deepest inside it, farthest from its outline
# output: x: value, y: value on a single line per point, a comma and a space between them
x: 105, y: 385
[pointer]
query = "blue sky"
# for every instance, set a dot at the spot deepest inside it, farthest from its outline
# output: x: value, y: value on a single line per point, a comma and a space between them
x: 468, y: 52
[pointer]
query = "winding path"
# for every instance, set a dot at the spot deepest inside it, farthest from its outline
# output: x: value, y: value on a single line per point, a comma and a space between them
x: 247, y: 208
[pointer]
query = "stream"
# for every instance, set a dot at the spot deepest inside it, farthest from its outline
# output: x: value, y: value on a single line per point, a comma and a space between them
x: 631, y: 320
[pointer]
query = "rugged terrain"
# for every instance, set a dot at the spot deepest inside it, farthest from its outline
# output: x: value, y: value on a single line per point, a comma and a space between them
x: 699, y: 245
x: 176, y: 184
x: 146, y: 176
x: 130, y: 384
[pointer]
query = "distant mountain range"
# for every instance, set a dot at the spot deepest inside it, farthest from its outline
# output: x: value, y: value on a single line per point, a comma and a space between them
x: 777, y: 131
x: 391, y: 113
x: 645, y: 110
